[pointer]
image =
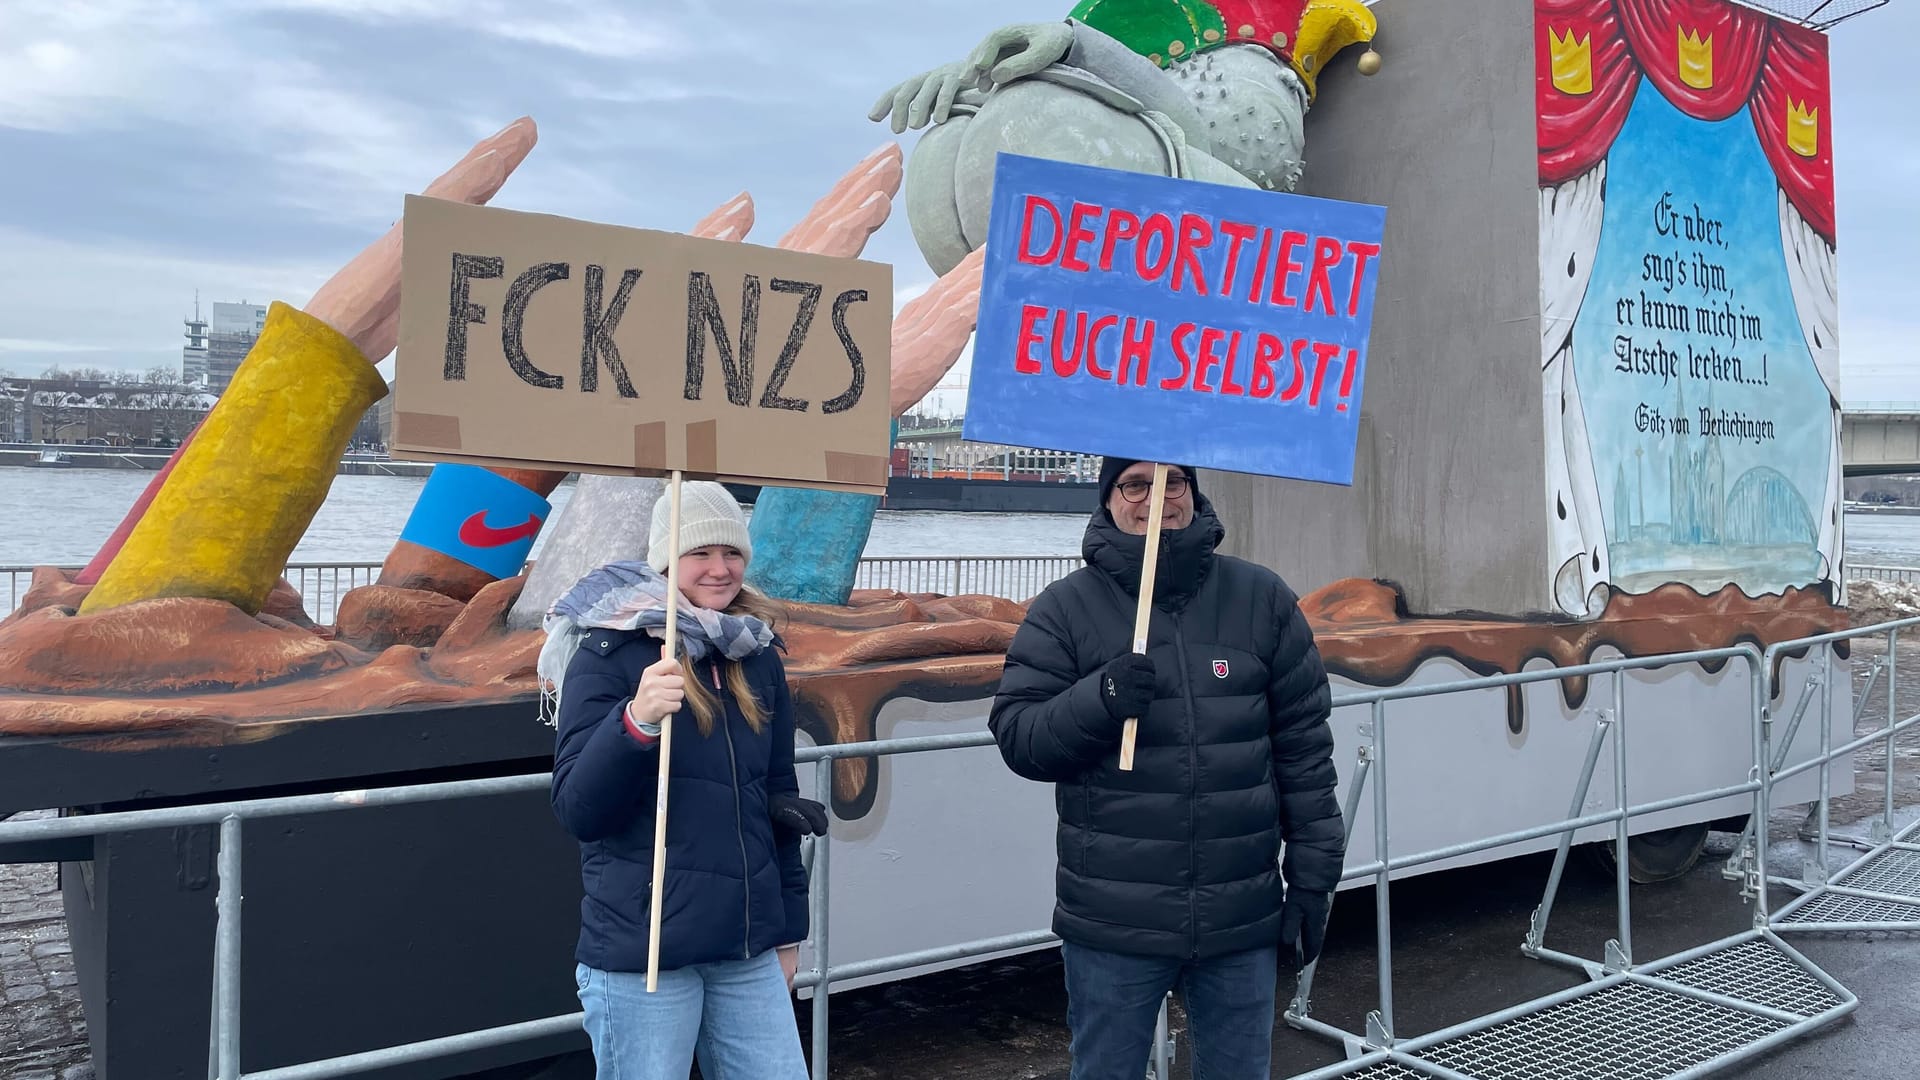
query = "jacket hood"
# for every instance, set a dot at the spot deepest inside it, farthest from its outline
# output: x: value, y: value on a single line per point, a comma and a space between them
x: 1186, y: 555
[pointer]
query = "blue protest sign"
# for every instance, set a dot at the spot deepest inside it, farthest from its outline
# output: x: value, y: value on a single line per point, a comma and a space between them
x: 477, y: 516
x: 1173, y: 320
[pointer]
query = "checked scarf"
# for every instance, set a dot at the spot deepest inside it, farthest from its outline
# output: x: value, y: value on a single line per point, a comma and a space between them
x: 633, y: 596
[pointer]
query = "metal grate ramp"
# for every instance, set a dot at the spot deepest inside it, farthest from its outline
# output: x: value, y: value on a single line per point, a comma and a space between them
x: 1880, y: 892
x: 1386, y: 1070
x: 1842, y: 911
x: 1754, y: 972
x: 1694, y: 1014
x: 1629, y: 1031
x: 1894, y: 870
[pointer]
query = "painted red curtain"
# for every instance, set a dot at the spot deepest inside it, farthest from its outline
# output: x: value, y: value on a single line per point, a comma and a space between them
x: 1712, y: 75
x: 1709, y: 58
x: 1793, y: 113
x: 1581, y: 113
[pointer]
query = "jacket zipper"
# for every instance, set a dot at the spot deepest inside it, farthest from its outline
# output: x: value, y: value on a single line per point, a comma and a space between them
x: 739, y: 819
x: 1193, y: 768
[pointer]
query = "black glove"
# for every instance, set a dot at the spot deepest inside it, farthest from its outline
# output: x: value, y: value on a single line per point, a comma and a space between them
x: 1126, y: 686
x: 798, y: 816
x: 1303, y: 923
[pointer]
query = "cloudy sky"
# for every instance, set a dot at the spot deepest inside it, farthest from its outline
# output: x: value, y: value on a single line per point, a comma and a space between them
x: 247, y: 149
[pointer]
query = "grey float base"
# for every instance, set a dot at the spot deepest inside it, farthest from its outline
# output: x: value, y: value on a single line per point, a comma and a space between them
x: 362, y: 930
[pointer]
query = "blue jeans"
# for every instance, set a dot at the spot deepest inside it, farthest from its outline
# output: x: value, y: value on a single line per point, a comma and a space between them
x: 1114, y: 998
x: 737, y: 1016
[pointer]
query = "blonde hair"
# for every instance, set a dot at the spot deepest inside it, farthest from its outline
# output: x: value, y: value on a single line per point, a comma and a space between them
x: 700, y: 697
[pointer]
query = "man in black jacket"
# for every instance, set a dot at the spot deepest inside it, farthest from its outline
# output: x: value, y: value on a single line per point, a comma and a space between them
x: 1172, y: 873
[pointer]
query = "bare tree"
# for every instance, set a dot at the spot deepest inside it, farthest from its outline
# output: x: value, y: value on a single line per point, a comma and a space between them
x: 118, y: 417
x: 176, y: 410
x: 59, y: 413
x: 168, y: 419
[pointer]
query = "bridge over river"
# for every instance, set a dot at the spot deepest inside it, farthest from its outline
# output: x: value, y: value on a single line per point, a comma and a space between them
x: 1881, y: 438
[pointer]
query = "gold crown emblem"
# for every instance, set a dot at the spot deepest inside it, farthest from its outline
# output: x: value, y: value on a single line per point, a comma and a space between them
x: 1572, y: 62
x: 1696, y: 60
x: 1803, y: 128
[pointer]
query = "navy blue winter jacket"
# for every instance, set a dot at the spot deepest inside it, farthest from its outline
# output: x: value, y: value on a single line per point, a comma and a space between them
x: 732, y: 890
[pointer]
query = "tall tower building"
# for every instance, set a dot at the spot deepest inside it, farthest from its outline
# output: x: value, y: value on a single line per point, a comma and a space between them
x: 193, y: 358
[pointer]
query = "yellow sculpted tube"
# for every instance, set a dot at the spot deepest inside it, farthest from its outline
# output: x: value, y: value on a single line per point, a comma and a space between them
x: 247, y: 487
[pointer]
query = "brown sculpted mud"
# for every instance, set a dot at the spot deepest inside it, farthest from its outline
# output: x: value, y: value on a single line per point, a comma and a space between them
x: 210, y: 672
x: 379, y: 616
x: 1366, y: 637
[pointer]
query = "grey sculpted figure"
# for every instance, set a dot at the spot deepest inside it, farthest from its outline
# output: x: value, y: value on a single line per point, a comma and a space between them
x: 1225, y: 104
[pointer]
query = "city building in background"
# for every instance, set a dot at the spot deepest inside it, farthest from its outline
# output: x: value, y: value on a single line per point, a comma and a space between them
x: 127, y: 410
x: 230, y: 335
x: 13, y: 413
x: 375, y: 430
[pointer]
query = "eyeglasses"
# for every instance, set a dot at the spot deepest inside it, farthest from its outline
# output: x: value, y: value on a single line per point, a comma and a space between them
x: 1137, y: 490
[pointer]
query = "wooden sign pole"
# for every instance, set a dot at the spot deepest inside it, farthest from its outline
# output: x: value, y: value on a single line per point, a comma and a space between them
x: 666, y: 734
x: 1143, y: 610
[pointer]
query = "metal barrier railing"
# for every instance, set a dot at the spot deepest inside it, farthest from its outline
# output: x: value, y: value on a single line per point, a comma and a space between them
x: 1879, y: 890
x: 1010, y: 577
x: 1858, y: 572
x: 1785, y: 994
x: 224, y: 1034
x: 1378, y: 1045
x: 321, y: 585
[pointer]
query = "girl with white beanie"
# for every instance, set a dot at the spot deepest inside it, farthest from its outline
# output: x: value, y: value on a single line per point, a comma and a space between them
x: 734, y: 904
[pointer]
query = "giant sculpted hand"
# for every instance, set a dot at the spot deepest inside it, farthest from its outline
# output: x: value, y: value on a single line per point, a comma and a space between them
x: 362, y: 300
x: 1012, y: 53
x: 926, y: 97
x: 1007, y: 55
x: 214, y: 522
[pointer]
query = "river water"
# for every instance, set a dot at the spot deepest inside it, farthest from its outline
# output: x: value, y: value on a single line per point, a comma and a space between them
x: 61, y: 517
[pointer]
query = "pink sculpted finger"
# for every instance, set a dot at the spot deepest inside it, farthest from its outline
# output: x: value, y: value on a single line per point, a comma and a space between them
x: 731, y: 220
x: 362, y: 300
x: 931, y: 331
x: 840, y: 223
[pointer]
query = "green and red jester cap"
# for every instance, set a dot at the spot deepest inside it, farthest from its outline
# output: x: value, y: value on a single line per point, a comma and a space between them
x: 1304, y: 34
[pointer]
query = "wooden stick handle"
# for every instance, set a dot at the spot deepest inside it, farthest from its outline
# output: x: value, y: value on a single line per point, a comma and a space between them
x: 666, y: 735
x: 1143, y: 610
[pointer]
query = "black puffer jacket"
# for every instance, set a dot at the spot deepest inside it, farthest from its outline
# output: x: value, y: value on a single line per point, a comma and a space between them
x: 1180, y: 857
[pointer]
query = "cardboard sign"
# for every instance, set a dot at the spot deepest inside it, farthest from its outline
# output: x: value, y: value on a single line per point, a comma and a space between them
x: 1173, y: 320
x: 536, y: 341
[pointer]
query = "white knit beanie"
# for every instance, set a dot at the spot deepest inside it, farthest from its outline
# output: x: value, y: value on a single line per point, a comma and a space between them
x: 708, y: 515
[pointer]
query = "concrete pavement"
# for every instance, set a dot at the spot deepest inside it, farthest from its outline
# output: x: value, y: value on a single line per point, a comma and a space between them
x: 43, y: 1035
x: 1456, y: 957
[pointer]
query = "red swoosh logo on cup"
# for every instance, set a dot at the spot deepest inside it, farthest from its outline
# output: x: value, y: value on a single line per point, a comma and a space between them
x: 475, y: 532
